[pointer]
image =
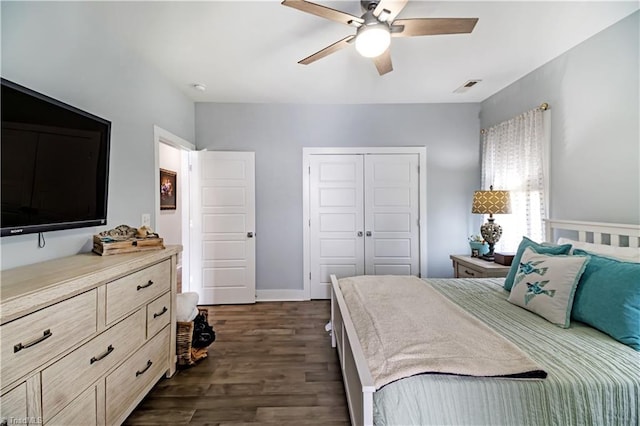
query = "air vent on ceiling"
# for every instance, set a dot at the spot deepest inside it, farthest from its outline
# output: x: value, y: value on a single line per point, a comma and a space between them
x: 466, y: 86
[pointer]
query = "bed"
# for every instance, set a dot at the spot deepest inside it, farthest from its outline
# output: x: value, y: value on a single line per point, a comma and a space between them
x: 591, y: 378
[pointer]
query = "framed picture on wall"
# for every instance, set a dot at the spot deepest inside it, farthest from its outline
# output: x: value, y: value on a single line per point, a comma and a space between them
x: 168, y: 188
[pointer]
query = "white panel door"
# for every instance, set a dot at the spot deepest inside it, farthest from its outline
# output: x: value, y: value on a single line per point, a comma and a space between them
x: 223, y: 227
x: 364, y: 212
x: 336, y: 220
x: 391, y: 206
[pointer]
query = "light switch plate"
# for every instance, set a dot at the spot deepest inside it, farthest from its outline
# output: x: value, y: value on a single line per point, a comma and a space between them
x: 146, y: 220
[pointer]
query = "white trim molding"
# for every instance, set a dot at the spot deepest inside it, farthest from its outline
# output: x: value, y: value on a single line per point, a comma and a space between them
x: 163, y: 136
x: 280, y: 296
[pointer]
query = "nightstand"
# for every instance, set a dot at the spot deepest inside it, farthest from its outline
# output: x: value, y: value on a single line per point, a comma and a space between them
x: 472, y: 267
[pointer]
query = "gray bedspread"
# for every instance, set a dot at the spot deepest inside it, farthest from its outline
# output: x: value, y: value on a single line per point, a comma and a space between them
x: 592, y: 379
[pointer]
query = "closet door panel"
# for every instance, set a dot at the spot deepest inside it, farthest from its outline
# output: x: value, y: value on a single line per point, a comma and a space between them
x: 337, y: 220
x: 391, y: 209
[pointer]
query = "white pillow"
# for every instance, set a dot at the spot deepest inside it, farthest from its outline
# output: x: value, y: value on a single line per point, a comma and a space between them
x: 627, y: 254
x: 186, y: 306
x: 546, y: 284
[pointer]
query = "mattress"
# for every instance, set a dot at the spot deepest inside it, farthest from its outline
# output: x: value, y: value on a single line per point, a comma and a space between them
x: 592, y: 379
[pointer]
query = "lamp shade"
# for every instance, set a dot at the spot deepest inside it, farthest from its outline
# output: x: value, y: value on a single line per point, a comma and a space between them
x: 491, y: 202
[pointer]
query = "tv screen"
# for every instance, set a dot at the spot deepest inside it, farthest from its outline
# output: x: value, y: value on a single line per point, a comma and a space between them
x: 55, y: 164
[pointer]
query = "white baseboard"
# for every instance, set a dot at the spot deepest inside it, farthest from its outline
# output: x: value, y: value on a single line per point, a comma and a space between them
x: 280, y: 295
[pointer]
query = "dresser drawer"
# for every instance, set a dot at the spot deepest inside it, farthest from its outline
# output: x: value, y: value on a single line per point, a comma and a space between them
x: 127, y: 384
x: 13, y: 406
x: 158, y: 314
x: 32, y: 340
x: 468, y: 272
x: 62, y: 381
x: 126, y: 294
x: 81, y: 411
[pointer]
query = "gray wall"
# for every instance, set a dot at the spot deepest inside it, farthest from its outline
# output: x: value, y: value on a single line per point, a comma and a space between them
x: 52, y: 48
x: 593, y: 91
x: 277, y: 134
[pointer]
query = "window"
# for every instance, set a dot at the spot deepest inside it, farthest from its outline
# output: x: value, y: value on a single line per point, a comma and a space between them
x: 514, y: 158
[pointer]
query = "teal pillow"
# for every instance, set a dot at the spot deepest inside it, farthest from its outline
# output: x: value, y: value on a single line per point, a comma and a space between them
x: 539, y: 248
x: 608, y: 298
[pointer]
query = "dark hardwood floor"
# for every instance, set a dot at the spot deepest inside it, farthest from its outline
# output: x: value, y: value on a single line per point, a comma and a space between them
x: 271, y: 364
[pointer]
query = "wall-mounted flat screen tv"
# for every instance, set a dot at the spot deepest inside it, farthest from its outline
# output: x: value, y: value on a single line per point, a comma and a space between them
x: 55, y: 164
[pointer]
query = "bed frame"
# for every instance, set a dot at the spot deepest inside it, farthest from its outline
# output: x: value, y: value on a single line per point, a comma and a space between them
x: 358, y: 382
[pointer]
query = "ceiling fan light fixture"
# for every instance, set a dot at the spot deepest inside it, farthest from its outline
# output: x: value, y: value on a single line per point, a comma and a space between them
x: 375, y: 26
x: 373, y: 40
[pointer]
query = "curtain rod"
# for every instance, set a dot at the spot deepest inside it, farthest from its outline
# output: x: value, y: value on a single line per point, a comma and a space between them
x: 543, y: 107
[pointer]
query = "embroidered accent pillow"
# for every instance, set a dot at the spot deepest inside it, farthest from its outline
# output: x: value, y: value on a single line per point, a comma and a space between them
x: 546, y: 284
x: 539, y: 248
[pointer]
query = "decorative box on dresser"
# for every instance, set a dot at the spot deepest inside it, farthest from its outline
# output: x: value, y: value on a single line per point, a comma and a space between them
x: 84, y: 338
x: 473, y: 267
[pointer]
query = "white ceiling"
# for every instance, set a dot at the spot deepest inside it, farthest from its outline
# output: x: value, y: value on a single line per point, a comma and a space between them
x: 247, y: 51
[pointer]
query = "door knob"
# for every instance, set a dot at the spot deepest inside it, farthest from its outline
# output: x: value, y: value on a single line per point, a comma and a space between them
x: 359, y: 233
x: 368, y: 233
x: 249, y: 234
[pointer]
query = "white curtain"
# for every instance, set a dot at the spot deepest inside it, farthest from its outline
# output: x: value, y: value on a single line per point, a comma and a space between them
x: 514, y: 159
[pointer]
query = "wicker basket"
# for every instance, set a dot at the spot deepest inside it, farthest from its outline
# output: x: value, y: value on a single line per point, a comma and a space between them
x: 184, y: 336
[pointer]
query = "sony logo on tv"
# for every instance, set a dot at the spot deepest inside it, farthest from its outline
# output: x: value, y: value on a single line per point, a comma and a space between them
x: 16, y: 231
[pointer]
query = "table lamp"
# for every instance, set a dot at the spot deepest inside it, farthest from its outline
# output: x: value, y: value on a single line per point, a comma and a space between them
x: 491, y: 202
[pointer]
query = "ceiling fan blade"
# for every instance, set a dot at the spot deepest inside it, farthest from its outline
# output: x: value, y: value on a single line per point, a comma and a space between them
x: 391, y: 8
x: 327, y: 50
x: 383, y: 62
x: 324, y: 12
x: 432, y: 26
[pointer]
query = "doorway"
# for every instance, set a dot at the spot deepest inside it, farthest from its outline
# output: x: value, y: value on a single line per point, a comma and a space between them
x: 172, y: 222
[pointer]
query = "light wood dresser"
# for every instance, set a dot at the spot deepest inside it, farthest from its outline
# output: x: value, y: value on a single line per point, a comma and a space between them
x: 84, y: 338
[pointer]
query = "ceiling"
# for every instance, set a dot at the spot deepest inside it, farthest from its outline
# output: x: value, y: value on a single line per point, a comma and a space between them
x: 247, y: 51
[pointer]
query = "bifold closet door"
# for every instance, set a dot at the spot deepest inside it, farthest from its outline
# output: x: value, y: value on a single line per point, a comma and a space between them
x: 391, y: 206
x: 364, y: 211
x: 336, y: 220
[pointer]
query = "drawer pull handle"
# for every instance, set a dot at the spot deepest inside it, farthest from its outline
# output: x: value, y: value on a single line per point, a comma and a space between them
x: 20, y: 346
x: 103, y: 355
x: 162, y: 312
x: 148, y: 284
x: 469, y: 272
x: 144, y: 370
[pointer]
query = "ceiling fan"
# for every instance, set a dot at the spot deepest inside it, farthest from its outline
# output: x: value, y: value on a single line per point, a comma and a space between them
x: 376, y: 26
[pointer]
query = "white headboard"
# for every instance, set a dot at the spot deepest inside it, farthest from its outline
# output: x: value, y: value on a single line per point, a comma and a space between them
x: 614, y: 234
